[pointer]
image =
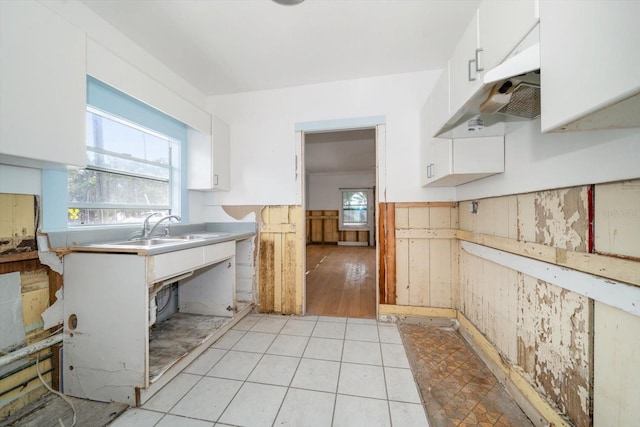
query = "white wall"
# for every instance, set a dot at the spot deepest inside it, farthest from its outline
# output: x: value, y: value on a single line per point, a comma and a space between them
x: 263, y: 147
x: 535, y: 161
x: 323, y: 192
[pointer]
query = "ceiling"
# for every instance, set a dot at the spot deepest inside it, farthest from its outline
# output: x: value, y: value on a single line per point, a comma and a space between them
x: 230, y: 46
x: 340, y: 152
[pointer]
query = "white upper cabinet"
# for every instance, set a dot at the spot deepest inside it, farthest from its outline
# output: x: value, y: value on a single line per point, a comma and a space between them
x: 502, y: 25
x: 42, y: 87
x: 458, y: 161
x: 208, y: 163
x: 590, y: 64
x: 466, y: 74
x: 492, y: 34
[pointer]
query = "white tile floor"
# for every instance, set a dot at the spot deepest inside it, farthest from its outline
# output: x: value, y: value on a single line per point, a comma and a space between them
x: 274, y: 370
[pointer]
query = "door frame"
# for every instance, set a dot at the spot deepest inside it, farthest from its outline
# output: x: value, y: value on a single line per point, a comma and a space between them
x: 375, y: 122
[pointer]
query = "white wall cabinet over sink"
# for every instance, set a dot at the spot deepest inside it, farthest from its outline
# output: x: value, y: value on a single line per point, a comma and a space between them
x: 209, y: 158
x: 453, y: 162
x: 590, y: 64
x: 42, y: 87
x: 110, y: 351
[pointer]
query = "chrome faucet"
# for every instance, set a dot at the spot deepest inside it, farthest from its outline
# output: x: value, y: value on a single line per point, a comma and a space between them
x: 168, y: 217
x: 145, y: 225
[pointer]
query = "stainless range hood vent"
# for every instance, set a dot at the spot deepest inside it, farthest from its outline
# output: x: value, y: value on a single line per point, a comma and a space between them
x: 514, y: 98
x: 525, y: 102
x: 510, y: 92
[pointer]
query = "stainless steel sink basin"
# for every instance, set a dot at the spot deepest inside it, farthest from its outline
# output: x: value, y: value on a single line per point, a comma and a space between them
x: 157, y: 244
x: 203, y: 235
x: 151, y: 242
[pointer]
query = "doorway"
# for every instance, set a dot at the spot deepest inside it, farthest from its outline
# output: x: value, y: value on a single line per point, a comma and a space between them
x: 340, y: 204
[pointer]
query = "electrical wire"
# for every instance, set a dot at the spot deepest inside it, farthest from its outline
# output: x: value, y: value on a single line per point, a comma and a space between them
x: 57, y: 393
x: 167, y: 290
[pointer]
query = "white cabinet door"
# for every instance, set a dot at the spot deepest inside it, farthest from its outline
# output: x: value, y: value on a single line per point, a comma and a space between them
x: 465, y: 77
x: 457, y: 161
x: 208, y: 165
x: 42, y: 85
x: 503, y: 24
x: 221, y: 147
x: 590, y: 59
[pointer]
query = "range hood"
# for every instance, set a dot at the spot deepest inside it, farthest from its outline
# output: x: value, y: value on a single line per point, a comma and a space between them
x: 510, y: 92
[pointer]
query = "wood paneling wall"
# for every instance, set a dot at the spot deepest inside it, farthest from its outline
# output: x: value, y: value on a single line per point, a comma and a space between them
x: 281, y: 254
x: 418, y: 254
x: 322, y: 227
x: 542, y: 329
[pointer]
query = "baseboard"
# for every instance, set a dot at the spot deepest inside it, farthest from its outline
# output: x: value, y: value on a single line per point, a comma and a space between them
x: 408, y: 310
x: 341, y: 243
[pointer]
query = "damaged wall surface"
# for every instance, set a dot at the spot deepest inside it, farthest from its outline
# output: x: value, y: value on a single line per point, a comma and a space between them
x: 426, y: 254
x: 34, y: 286
x: 579, y: 355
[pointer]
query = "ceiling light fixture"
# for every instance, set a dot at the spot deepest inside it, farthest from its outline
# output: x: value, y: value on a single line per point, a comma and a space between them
x: 288, y: 2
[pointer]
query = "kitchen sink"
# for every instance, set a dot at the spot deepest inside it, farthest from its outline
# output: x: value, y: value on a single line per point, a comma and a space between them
x: 151, y: 242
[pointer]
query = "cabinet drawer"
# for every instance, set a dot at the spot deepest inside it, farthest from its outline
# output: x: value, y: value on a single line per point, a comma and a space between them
x: 164, y: 266
x: 219, y: 251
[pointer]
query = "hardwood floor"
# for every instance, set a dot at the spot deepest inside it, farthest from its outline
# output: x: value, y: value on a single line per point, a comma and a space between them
x: 341, y: 281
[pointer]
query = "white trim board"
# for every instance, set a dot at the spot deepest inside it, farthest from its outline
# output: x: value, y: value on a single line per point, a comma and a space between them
x: 607, y: 291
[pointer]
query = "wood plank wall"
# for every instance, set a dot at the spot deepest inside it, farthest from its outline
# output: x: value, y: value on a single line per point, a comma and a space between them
x: 322, y: 228
x: 281, y: 256
x: 418, y: 254
x: 541, y: 329
x: 18, y: 253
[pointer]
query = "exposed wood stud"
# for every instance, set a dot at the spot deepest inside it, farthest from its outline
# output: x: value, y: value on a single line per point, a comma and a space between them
x: 391, y: 253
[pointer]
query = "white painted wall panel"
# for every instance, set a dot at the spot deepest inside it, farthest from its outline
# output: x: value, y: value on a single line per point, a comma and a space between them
x: 617, y: 218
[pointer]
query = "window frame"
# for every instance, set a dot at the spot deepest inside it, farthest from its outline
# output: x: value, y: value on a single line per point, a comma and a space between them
x: 369, y: 209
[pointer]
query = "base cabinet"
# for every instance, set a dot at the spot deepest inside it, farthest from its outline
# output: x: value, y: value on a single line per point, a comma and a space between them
x: 112, y: 352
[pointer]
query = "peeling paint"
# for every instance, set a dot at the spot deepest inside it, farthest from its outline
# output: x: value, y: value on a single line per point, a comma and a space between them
x: 554, y: 332
x: 51, y: 260
x: 561, y: 218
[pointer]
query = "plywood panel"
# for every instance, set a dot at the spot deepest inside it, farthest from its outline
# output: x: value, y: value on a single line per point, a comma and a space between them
x: 403, y: 266
x: 440, y: 217
x: 617, y: 218
x: 440, y: 273
x: 419, y: 273
x: 401, y: 217
x: 616, y: 361
x: 418, y: 217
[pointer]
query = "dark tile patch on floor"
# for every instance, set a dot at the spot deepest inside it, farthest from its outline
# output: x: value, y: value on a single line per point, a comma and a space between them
x: 457, y: 387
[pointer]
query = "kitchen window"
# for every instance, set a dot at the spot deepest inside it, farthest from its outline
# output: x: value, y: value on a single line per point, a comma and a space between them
x: 134, y: 162
x: 128, y: 174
